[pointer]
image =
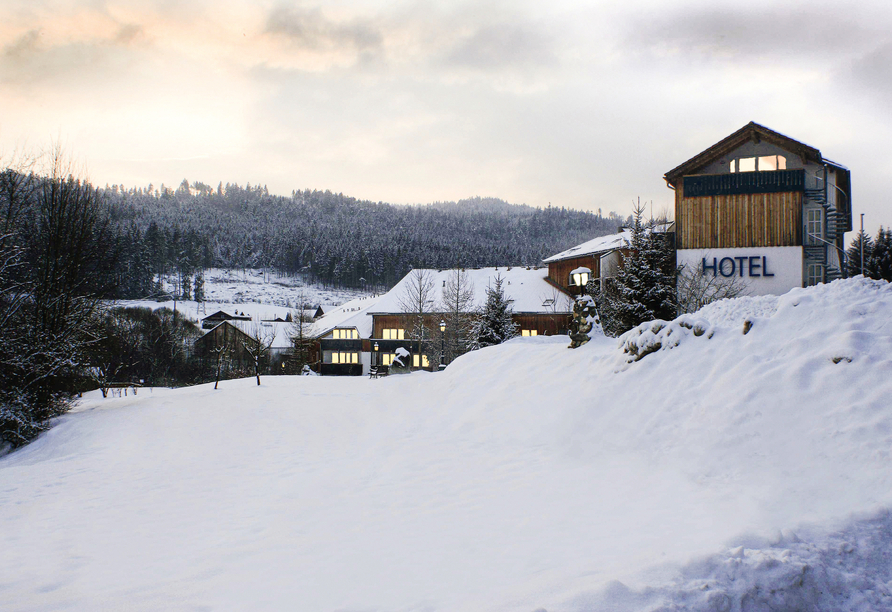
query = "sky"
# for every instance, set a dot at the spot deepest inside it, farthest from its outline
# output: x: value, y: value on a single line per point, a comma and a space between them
x: 578, y: 104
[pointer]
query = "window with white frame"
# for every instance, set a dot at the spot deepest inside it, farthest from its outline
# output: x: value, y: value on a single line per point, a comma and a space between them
x: 345, y: 334
x: 393, y: 334
x: 814, y: 224
x: 529, y: 332
x: 815, y: 274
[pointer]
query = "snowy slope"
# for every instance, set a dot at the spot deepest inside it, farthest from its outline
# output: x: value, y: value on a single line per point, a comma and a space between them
x: 724, y: 471
x: 256, y: 293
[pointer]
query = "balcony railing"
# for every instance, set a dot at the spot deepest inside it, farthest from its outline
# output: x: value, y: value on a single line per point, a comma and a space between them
x: 699, y: 185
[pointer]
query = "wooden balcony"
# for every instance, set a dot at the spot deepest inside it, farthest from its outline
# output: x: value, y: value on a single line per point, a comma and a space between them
x: 776, y: 181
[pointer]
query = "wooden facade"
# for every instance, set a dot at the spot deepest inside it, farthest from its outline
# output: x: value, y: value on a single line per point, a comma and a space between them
x: 741, y: 220
x: 559, y: 271
x: 544, y: 323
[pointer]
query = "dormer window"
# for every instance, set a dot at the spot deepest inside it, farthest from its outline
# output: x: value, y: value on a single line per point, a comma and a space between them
x: 763, y: 163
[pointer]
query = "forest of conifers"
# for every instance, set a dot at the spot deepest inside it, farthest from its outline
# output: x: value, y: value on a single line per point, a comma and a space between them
x: 330, y: 238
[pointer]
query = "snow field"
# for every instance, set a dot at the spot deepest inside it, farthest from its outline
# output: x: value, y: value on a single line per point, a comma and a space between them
x: 732, y: 472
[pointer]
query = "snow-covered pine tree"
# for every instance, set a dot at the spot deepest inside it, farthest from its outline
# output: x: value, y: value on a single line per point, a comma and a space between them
x: 644, y: 286
x: 198, y: 289
x: 879, y: 264
x: 494, y: 324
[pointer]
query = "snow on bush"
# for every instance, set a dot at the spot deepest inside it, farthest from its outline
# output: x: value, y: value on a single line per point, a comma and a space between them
x: 658, y: 335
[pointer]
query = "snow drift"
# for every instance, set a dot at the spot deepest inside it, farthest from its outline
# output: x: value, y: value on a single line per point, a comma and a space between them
x: 720, y: 471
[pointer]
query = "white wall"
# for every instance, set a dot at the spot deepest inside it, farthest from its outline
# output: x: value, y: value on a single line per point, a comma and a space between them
x: 783, y: 263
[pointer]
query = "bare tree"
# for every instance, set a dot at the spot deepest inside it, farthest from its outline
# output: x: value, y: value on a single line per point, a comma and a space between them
x: 257, y: 344
x: 418, y: 300
x: 222, y: 353
x: 697, y: 289
x: 457, y: 303
x: 300, y: 333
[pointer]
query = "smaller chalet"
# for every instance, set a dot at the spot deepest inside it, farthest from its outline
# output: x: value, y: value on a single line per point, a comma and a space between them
x: 235, y: 334
x: 212, y: 320
x: 596, y: 259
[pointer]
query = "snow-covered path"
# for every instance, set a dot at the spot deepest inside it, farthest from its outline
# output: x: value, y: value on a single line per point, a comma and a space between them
x: 524, y: 476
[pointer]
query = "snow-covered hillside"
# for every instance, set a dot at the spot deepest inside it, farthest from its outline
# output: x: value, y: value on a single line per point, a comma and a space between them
x: 256, y: 293
x: 722, y: 471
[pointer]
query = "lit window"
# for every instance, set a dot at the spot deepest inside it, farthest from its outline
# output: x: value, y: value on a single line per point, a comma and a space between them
x: 394, y: 334
x: 529, y: 332
x: 345, y: 334
x: 815, y: 274
x: 343, y: 357
x: 425, y: 363
x: 387, y: 359
x: 763, y: 163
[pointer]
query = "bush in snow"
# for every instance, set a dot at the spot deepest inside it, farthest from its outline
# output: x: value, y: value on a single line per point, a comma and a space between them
x: 658, y: 335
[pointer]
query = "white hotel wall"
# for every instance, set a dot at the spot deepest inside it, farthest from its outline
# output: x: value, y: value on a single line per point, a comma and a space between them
x: 784, y: 262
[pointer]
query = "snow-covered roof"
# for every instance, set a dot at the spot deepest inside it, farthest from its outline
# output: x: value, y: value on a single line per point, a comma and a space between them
x: 605, y: 244
x: 281, y: 332
x: 350, y: 314
x: 526, y: 286
x: 601, y: 244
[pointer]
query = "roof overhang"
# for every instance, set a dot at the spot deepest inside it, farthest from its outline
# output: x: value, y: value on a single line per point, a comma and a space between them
x: 751, y: 132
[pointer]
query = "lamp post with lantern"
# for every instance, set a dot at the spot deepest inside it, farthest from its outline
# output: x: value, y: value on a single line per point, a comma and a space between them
x: 580, y: 278
x: 442, y: 344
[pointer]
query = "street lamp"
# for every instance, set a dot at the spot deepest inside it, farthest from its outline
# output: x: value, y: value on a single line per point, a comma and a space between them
x: 376, y: 355
x: 442, y: 344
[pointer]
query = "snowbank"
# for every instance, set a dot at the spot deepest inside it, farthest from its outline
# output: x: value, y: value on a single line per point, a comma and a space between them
x: 731, y: 472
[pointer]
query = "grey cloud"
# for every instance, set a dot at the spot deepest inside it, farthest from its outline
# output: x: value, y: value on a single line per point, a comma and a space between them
x: 871, y: 73
x: 310, y: 29
x: 31, y: 59
x: 505, y: 45
x: 128, y: 34
x: 23, y: 47
x: 787, y: 33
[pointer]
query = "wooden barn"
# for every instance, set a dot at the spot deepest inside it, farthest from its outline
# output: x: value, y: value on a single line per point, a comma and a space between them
x: 763, y: 208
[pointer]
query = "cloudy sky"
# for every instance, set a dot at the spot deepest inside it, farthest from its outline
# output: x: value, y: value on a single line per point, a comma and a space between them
x: 578, y: 104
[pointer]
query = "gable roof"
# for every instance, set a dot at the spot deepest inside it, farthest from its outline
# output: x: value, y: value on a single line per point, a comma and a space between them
x: 221, y: 315
x: 752, y: 131
x: 278, y: 334
x: 528, y: 288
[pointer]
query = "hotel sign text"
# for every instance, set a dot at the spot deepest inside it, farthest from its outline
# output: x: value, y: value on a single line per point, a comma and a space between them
x: 752, y: 266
